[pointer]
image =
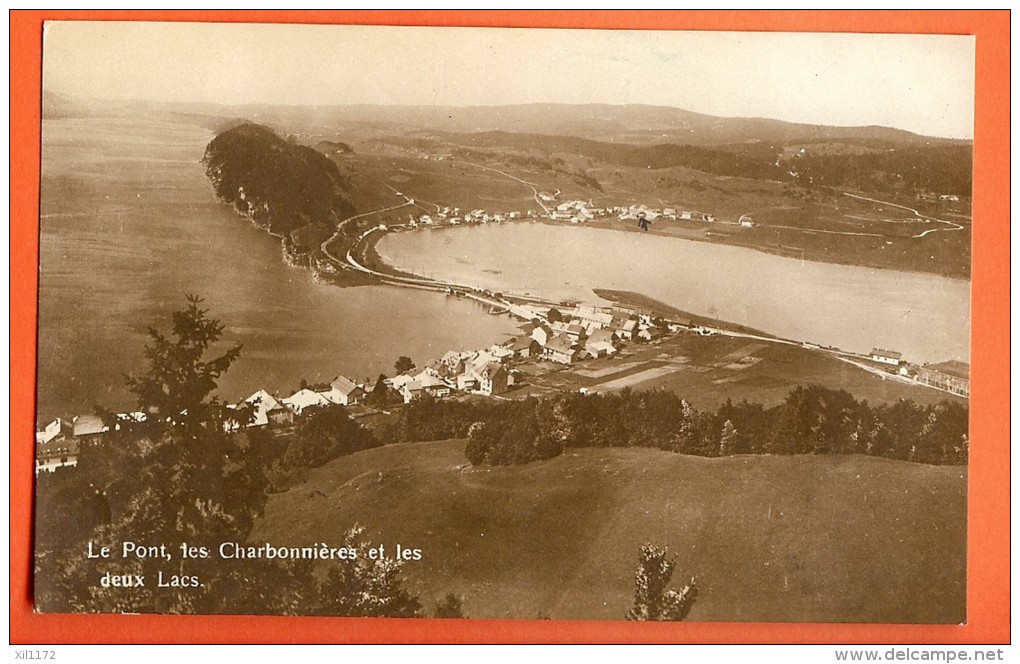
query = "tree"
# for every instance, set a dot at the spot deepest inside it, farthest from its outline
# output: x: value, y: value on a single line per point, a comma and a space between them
x: 184, y: 477
x: 652, y: 601
x: 324, y: 434
x: 176, y: 477
x: 379, y: 396
x: 403, y: 364
x: 479, y: 442
x: 728, y: 439
x: 179, y: 378
x: 364, y: 587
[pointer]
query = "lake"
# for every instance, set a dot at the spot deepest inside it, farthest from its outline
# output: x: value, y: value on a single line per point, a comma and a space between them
x: 926, y: 317
x: 129, y: 224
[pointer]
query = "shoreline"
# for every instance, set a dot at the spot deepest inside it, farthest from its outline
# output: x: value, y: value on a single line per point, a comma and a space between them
x: 772, y: 251
x: 790, y: 253
x: 666, y: 311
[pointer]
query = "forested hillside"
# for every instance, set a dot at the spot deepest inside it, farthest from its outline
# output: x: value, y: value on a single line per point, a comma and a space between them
x: 291, y: 190
x: 878, y: 166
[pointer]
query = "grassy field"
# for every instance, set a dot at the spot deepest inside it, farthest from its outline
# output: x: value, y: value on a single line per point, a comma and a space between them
x: 432, y: 183
x: 832, y: 539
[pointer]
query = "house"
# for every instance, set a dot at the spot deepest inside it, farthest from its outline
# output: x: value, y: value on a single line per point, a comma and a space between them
x: 624, y: 328
x: 600, y: 349
x: 88, y: 429
x: 746, y: 221
x: 411, y: 390
x: 56, y: 428
x: 524, y: 347
x: 889, y: 357
x: 479, y: 360
x: 650, y: 332
x: 56, y: 453
x: 344, y: 391
x: 454, y: 361
x: 433, y: 386
x: 398, y: 382
x: 951, y: 376
x: 422, y: 384
x: 265, y: 409
x: 467, y: 382
x: 572, y: 330
x: 542, y: 334
x: 600, y: 344
x: 303, y: 400
x: 493, y: 379
x: 502, y: 355
x: 949, y: 197
x: 560, y: 348
x: 591, y: 317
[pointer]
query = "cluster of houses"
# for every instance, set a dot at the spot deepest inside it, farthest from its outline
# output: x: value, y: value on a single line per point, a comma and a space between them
x: 952, y: 376
x: 574, y: 211
x: 564, y: 336
x: 577, y: 212
x: 454, y: 216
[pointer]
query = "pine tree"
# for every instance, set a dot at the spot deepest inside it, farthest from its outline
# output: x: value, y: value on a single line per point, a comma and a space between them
x: 652, y: 601
x: 182, y: 477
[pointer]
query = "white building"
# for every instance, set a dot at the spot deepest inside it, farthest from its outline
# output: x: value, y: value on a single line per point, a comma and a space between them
x: 889, y: 357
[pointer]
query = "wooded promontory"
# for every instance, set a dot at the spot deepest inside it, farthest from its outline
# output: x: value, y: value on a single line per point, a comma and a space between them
x: 288, y: 189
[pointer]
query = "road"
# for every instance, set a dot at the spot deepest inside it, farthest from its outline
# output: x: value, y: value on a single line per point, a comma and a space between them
x: 534, y: 188
x: 923, y: 217
x: 340, y: 227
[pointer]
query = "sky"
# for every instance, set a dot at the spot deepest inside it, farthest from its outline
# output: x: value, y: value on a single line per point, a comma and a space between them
x: 921, y: 83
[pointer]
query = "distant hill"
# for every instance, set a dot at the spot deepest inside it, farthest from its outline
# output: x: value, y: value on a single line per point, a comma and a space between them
x: 867, y: 164
x: 630, y: 123
x: 795, y: 538
x: 634, y: 123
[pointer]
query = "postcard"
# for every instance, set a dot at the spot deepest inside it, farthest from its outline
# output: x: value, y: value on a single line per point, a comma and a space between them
x: 464, y: 323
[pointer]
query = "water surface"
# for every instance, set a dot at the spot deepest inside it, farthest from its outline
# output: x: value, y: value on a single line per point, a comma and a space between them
x: 129, y: 225
x: 924, y: 316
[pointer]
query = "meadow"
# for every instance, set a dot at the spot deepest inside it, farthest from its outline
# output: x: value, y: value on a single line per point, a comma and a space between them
x: 801, y: 538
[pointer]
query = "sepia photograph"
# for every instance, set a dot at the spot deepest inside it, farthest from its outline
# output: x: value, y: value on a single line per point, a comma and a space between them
x: 504, y: 323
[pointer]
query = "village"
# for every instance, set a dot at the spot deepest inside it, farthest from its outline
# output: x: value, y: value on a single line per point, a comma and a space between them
x: 551, y: 339
x: 572, y: 211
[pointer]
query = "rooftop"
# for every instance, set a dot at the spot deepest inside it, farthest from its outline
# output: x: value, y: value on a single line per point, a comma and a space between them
x: 951, y: 368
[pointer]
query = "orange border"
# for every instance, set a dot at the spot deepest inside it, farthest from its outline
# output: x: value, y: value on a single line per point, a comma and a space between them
x: 988, y: 552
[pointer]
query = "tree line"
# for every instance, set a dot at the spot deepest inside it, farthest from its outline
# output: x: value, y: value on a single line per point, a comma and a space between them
x: 811, y: 420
